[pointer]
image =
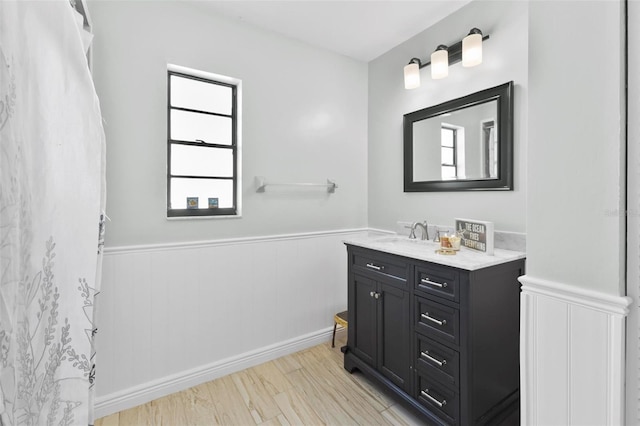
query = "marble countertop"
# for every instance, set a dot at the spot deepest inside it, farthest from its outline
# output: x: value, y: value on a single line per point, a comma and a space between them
x: 426, y: 250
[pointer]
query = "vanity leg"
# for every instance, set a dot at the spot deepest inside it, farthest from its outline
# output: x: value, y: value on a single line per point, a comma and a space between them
x: 349, y: 365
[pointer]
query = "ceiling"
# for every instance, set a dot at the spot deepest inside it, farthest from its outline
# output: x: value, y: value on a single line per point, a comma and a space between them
x: 362, y: 30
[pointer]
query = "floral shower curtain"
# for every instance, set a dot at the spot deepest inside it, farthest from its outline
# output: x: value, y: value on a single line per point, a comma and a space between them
x: 52, y: 194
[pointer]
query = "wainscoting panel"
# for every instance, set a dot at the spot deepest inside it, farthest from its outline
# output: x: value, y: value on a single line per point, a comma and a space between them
x: 174, y: 316
x: 572, y: 355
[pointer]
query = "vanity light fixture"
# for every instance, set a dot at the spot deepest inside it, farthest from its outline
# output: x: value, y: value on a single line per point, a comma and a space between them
x: 440, y: 63
x: 472, y: 48
x: 412, y: 74
x: 467, y: 50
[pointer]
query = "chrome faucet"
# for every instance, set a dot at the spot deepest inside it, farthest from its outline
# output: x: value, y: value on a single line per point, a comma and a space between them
x: 425, y: 231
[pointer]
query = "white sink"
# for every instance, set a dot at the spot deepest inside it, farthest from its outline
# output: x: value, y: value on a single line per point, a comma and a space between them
x: 395, y: 239
x: 402, y: 240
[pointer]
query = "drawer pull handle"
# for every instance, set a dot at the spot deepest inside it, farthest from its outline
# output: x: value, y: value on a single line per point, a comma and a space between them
x: 376, y: 267
x: 427, y: 281
x: 432, y: 319
x: 429, y: 357
x: 425, y: 393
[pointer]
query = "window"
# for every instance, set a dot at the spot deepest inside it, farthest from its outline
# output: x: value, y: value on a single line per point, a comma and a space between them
x: 489, y: 149
x: 202, y: 145
x: 448, y: 152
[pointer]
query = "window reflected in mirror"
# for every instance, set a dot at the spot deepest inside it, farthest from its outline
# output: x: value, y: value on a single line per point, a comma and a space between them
x: 448, y: 154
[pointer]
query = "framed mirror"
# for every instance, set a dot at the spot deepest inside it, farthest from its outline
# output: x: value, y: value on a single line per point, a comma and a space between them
x: 465, y: 144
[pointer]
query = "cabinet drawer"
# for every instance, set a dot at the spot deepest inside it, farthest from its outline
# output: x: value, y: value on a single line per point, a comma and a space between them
x: 438, y: 361
x: 438, y: 281
x: 443, y: 402
x: 381, y: 265
x: 437, y: 320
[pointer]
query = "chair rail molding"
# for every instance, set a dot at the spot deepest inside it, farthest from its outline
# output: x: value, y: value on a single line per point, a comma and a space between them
x: 572, y: 354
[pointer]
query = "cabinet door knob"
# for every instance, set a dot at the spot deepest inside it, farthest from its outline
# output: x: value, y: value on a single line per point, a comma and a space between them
x: 377, y: 295
x: 372, y: 293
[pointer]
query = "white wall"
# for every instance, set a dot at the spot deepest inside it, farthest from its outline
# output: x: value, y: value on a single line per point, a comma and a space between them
x: 573, y: 303
x: 427, y: 156
x: 304, y: 120
x: 175, y: 312
x: 505, y: 59
x: 575, y: 191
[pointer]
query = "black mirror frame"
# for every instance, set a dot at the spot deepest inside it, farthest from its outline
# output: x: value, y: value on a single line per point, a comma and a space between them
x: 504, y: 95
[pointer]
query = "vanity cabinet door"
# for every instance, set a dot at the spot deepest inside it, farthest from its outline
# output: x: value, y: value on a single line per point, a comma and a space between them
x: 394, y: 335
x: 362, y: 330
x: 380, y: 327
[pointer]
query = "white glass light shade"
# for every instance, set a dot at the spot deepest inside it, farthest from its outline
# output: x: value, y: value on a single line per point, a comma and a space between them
x: 439, y: 64
x: 411, y: 76
x: 472, y: 50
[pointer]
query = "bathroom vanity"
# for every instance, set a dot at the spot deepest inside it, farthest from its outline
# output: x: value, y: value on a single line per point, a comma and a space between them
x: 441, y: 333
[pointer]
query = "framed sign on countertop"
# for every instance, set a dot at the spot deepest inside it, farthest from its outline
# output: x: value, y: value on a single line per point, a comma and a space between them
x: 476, y: 235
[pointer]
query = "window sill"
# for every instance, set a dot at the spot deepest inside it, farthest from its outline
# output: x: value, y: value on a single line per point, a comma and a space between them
x: 235, y: 216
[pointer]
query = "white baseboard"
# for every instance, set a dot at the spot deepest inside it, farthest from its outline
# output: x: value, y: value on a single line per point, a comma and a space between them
x: 572, y: 348
x: 146, y: 392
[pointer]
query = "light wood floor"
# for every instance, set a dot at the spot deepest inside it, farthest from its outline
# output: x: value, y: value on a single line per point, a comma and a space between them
x: 306, y: 388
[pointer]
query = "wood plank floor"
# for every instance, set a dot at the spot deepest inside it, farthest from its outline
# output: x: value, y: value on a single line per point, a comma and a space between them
x: 306, y: 388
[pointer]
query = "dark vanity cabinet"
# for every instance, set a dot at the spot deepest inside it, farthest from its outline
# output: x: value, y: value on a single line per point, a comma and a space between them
x: 443, y: 340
